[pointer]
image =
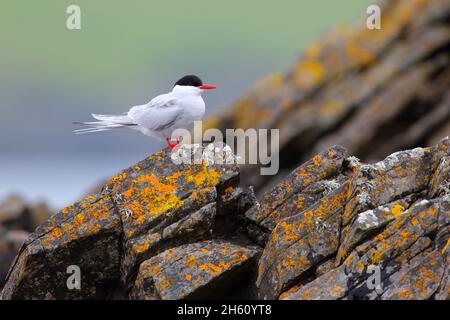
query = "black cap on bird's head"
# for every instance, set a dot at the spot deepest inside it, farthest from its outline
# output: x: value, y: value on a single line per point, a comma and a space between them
x: 193, y: 81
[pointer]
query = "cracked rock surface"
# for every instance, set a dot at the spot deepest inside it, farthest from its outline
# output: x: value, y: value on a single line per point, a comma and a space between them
x: 335, y: 228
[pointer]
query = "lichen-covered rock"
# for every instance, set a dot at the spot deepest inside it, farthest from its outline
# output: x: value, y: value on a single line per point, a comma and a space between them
x: 403, y: 257
x: 417, y: 280
x: 299, y: 190
x: 372, y: 91
x: 162, y: 205
x: 333, y: 229
x: 391, y: 202
x: 202, y: 270
x: 142, y: 211
x: 85, y: 234
x: 331, y: 286
x: 300, y: 242
x: 17, y: 219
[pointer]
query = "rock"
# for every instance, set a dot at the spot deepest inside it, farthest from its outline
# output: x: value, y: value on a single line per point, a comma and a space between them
x: 331, y: 286
x: 85, y: 234
x: 417, y: 280
x: 10, y: 243
x: 372, y: 91
x: 14, y: 214
x: 300, y: 189
x: 335, y: 228
x: 163, y: 205
x: 20, y: 218
x: 202, y: 270
x: 143, y: 211
x: 17, y: 214
x: 393, y: 215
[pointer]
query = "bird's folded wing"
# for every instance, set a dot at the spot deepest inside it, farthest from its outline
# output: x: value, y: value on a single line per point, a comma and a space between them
x: 158, y: 114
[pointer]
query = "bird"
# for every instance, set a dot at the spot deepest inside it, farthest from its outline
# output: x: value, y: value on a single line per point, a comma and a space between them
x: 162, y: 115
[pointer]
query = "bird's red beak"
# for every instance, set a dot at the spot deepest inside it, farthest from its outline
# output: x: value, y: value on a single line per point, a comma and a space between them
x: 207, y: 87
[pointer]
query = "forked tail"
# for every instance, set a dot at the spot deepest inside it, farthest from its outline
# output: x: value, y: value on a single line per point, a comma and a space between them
x: 106, y: 122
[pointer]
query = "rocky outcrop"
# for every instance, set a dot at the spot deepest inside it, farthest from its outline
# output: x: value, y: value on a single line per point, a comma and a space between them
x: 389, y: 218
x: 202, y: 270
x: 372, y: 91
x: 17, y: 219
x: 142, y: 212
x: 334, y: 228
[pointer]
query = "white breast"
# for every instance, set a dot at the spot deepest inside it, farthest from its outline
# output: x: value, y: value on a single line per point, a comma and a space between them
x: 192, y: 104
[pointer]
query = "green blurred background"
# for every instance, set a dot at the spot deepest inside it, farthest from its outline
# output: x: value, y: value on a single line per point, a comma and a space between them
x: 125, y: 53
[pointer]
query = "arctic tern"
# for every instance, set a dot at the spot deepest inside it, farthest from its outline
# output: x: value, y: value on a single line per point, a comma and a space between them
x: 158, y: 118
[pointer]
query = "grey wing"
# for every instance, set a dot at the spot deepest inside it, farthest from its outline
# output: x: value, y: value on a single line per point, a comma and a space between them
x: 159, y: 114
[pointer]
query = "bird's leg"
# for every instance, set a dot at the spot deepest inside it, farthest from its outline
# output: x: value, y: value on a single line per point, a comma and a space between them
x: 171, y: 145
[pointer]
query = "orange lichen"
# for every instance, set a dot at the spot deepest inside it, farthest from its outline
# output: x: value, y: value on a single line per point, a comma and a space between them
x: 172, y: 179
x: 397, y: 210
x: 93, y: 228
x: 432, y: 212
x: 165, y: 283
x: 289, y: 232
x: 360, y: 266
x: 446, y: 246
x: 299, y: 203
x: 211, y: 269
x: 55, y: 233
x: 120, y: 177
x: 188, y: 277
x: 303, y: 173
x: 67, y: 209
x: 203, y: 177
x: 229, y: 190
x: 309, y: 73
x: 406, y: 294
x: 141, y: 247
x: 191, y: 261
x: 89, y: 198
x: 318, y: 160
x: 295, y: 263
x: 359, y: 54
x: 79, y: 220
x: 148, y: 196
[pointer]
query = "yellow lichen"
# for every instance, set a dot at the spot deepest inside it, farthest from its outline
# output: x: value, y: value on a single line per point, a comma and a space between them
x: 191, y: 261
x: 318, y: 160
x: 172, y: 179
x: 120, y: 177
x: 204, y: 177
x: 309, y: 73
x: 148, y: 196
x: 89, y: 198
x: 446, y: 246
x: 55, y: 233
x: 313, y: 51
x: 79, y: 220
x: 141, y: 248
x: 211, y: 269
x: 397, y: 210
